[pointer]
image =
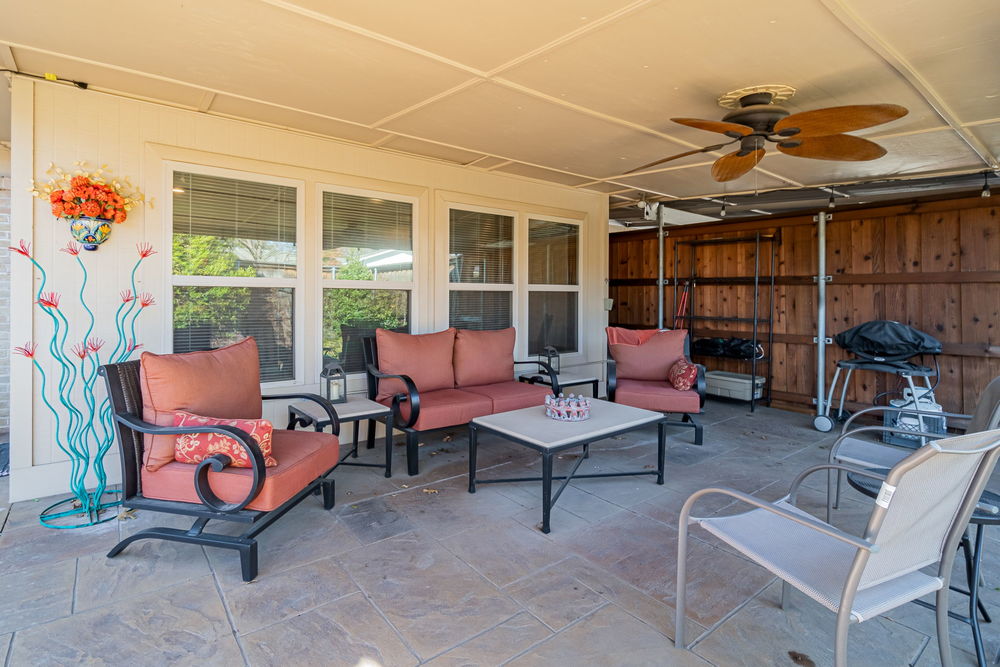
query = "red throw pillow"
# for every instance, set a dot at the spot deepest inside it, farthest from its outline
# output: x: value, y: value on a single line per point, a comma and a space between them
x: 196, y: 447
x: 683, y: 374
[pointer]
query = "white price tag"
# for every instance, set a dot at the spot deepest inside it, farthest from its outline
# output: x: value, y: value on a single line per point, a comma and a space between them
x: 885, y: 495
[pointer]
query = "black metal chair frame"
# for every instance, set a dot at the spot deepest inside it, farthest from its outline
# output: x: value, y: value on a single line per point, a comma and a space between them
x: 412, y: 396
x: 687, y: 419
x: 126, y: 402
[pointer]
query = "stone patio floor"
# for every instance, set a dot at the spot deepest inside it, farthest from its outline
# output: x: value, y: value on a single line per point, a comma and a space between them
x: 410, y: 571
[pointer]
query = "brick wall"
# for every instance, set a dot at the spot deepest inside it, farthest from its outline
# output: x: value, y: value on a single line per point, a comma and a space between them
x: 4, y: 303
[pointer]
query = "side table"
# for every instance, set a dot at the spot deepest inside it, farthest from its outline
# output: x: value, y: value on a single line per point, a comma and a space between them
x: 565, y: 381
x: 354, y: 410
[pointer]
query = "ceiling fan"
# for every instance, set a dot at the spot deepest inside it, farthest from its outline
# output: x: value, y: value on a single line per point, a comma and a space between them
x: 756, y: 119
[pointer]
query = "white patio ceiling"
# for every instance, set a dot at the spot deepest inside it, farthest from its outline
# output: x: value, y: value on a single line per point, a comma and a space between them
x: 571, y: 91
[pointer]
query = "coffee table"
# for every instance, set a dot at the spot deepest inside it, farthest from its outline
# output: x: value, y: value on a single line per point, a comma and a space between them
x: 530, y: 428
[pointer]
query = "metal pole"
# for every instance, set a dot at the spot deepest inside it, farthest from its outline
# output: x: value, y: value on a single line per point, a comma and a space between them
x: 821, y: 312
x: 659, y: 272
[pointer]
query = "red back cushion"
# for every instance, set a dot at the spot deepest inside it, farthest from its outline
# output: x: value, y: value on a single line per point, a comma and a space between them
x: 629, y: 336
x: 195, y: 447
x: 651, y: 360
x: 682, y: 375
x: 484, y: 357
x: 425, y: 358
x: 224, y: 383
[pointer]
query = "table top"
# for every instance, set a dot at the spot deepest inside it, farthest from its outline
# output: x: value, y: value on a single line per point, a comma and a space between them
x: 531, y: 425
x: 356, y: 407
x: 564, y: 378
x: 871, y: 487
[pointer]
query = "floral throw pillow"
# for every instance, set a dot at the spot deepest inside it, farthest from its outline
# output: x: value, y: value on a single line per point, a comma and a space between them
x: 196, y: 447
x: 683, y: 375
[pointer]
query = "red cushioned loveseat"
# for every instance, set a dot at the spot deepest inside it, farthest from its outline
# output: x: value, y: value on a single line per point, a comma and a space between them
x: 447, y: 378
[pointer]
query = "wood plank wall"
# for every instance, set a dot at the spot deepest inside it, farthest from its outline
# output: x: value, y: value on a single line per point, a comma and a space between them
x: 933, y: 265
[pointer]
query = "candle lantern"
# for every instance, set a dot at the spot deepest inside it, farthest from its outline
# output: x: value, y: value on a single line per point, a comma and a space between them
x: 550, y: 355
x: 335, y: 380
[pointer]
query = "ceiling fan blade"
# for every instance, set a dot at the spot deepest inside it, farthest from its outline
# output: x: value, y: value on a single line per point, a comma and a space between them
x: 734, y: 165
x: 678, y: 156
x: 836, y: 147
x: 734, y: 130
x: 834, y: 120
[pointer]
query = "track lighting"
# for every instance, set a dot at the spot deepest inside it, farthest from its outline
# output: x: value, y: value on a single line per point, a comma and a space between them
x: 722, y: 211
x: 831, y: 203
x: 986, y: 186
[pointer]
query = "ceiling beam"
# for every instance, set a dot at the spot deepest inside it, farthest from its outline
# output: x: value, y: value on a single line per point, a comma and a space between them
x: 868, y: 35
x: 7, y: 58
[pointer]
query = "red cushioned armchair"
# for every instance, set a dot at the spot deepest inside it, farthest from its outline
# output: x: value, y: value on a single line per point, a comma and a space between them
x: 225, y: 384
x: 639, y: 363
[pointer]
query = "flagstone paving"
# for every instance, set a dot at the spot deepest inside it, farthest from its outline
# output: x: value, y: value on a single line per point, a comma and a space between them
x: 415, y: 570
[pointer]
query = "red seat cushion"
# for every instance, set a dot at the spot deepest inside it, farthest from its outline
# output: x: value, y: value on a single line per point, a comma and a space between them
x: 483, y: 357
x: 446, y: 407
x: 425, y: 358
x: 650, y: 360
x: 512, y: 395
x: 659, y: 396
x: 302, y: 457
x: 223, y: 383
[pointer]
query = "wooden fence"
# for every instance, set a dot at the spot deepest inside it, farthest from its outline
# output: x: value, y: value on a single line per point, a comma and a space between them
x: 933, y: 265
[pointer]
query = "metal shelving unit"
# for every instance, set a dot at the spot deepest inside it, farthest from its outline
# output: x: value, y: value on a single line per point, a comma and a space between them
x: 772, y: 241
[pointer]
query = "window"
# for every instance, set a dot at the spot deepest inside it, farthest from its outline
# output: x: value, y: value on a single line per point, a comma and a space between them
x: 367, y: 271
x: 553, y: 286
x: 235, y: 267
x: 480, y: 269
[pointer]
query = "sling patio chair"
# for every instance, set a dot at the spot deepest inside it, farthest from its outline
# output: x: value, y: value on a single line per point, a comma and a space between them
x: 857, y: 451
x: 921, y: 513
x: 222, y: 383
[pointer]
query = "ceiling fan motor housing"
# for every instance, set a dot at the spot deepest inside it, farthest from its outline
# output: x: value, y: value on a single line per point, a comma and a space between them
x: 756, y: 111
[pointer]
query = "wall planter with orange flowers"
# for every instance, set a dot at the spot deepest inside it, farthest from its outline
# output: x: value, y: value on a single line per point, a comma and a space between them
x: 84, y: 429
x: 91, y: 201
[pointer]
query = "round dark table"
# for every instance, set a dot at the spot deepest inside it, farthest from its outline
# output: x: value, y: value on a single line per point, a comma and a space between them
x: 985, y: 514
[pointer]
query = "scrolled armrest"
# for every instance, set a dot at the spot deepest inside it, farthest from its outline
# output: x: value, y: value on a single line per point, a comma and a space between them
x: 553, y: 377
x: 331, y: 412
x: 217, y: 462
x: 701, y: 384
x: 412, y: 396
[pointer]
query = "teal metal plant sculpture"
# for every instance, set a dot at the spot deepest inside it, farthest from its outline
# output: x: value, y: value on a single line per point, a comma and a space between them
x: 84, y: 429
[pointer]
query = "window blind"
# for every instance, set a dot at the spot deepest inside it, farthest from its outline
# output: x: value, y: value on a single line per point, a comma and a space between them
x: 552, y: 253
x: 367, y: 238
x: 479, y: 310
x: 230, y: 227
x: 481, y: 247
x: 209, y: 317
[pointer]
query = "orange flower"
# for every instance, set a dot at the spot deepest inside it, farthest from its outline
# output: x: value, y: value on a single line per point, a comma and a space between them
x: 71, y: 209
x: 120, y: 217
x: 79, y: 181
x: 57, y: 209
x: 55, y: 196
x: 67, y: 196
x: 91, y: 208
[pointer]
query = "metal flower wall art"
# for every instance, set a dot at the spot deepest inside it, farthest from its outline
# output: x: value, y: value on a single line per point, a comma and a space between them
x: 90, y: 200
x: 83, y: 425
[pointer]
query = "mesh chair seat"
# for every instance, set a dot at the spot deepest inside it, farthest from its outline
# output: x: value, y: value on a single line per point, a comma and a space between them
x: 814, y: 563
x: 868, y: 454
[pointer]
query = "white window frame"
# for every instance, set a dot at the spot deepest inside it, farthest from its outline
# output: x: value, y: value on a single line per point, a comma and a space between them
x: 298, y: 283
x: 541, y: 287
x: 331, y: 283
x: 515, y: 259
